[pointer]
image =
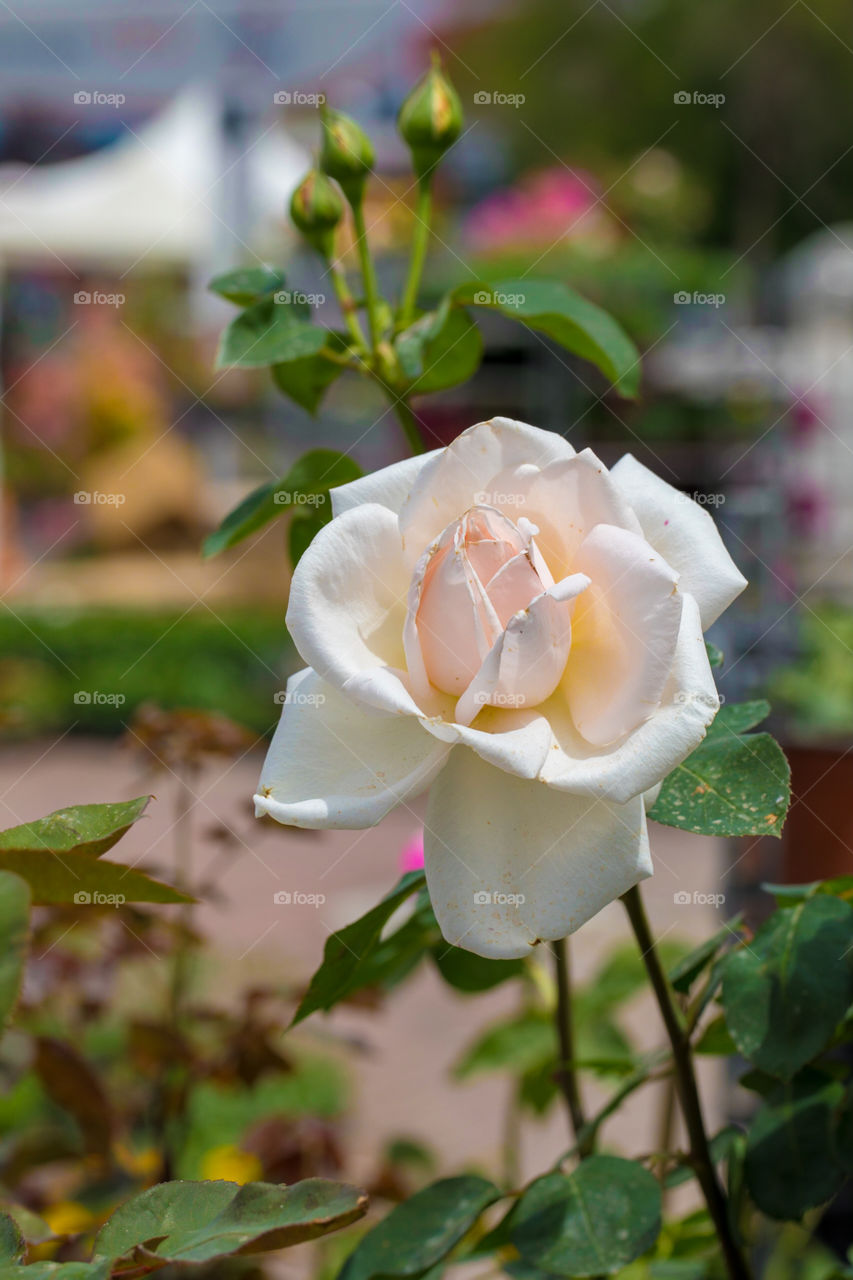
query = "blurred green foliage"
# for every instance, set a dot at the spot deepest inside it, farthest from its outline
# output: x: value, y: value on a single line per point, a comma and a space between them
x: 51, y: 661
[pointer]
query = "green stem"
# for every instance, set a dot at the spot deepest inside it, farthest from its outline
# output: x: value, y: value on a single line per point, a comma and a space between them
x: 420, y: 240
x: 567, y: 1076
x: 688, y: 1093
x: 368, y: 272
x: 348, y: 306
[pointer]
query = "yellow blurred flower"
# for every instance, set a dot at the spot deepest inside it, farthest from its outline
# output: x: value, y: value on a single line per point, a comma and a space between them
x: 230, y: 1164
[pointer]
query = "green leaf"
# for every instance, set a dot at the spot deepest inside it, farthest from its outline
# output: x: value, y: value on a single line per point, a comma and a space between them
x: 12, y: 1243
x: 785, y: 992
x: 733, y: 784
x: 517, y: 1044
x: 14, y: 934
x: 716, y: 657
x: 441, y: 349
x: 791, y: 1162
x: 716, y: 1040
x: 736, y: 717
x: 99, y: 1270
x: 557, y: 311
x: 719, y: 1146
x: 465, y: 971
x: 788, y: 895
x: 347, y: 953
x: 57, y: 880
x: 306, y: 381
x: 687, y: 970
x: 269, y: 332
x: 422, y: 1230
x: 84, y: 828
x: 196, y: 1221
x: 590, y: 1223
x: 305, y: 487
x: 247, y: 285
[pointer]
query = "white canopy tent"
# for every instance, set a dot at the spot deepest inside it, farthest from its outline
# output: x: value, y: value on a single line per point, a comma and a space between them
x: 158, y: 195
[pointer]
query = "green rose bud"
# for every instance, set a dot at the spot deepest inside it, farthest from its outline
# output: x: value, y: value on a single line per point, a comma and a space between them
x: 316, y: 209
x: 430, y: 119
x: 347, y: 154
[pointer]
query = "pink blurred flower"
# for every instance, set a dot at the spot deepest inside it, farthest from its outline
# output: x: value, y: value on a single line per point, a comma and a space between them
x: 412, y: 856
x: 542, y: 208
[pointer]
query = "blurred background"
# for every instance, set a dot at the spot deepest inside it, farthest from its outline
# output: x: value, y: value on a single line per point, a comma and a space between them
x: 689, y: 167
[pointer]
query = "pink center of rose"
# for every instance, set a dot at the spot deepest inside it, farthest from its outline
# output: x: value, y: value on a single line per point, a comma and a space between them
x: 484, y: 570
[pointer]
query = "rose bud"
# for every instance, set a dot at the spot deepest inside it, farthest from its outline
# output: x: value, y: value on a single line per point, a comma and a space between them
x: 347, y: 154
x: 430, y: 119
x: 316, y: 209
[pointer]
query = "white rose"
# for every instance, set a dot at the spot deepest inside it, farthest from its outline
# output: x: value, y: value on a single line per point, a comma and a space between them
x: 512, y: 625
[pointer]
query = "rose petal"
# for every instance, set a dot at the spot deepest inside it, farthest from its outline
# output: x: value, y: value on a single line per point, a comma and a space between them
x: 389, y: 487
x: 646, y: 756
x: 347, y: 608
x: 529, y: 658
x: 489, y: 838
x: 332, y: 765
x: 625, y: 630
x: 459, y: 476
x: 515, y: 741
x: 685, y: 535
x: 566, y: 500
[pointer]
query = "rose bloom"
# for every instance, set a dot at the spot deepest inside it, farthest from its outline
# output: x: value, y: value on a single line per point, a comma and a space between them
x: 507, y: 623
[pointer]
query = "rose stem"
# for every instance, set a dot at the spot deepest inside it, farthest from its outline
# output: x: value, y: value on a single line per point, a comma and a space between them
x: 688, y: 1093
x: 420, y: 240
x: 348, y: 305
x: 368, y: 275
x: 566, y: 1074
x: 409, y: 423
